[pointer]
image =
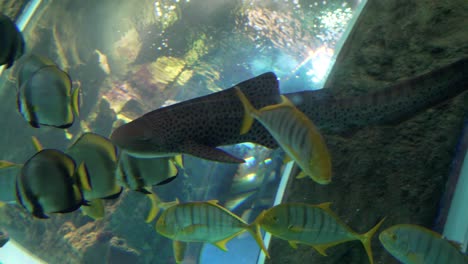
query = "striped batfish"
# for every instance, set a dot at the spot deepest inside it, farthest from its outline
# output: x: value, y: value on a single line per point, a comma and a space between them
x: 49, y: 182
x: 12, y: 45
x: 140, y: 174
x: 99, y: 157
x: 313, y: 225
x: 295, y: 133
x: 413, y: 244
x: 205, y: 222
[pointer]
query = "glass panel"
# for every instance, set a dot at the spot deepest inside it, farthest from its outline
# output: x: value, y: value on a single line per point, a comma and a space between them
x: 131, y: 57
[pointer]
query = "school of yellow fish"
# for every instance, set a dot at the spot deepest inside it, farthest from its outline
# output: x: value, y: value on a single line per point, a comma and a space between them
x: 92, y: 168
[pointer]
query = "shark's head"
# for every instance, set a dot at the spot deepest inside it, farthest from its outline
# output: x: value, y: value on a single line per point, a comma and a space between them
x: 137, y: 139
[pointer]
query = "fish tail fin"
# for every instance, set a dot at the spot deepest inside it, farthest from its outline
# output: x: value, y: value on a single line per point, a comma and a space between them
x: 249, y: 112
x: 254, y: 229
x: 154, y: 207
x: 367, y: 238
x: 7, y: 164
x: 179, y: 161
x: 36, y: 143
x: 76, y: 101
x: 95, y: 209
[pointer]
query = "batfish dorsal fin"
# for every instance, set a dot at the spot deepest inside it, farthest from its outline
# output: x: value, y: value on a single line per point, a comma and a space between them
x: 209, y: 153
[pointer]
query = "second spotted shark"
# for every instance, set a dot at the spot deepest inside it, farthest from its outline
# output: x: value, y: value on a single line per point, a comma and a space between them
x: 198, y: 126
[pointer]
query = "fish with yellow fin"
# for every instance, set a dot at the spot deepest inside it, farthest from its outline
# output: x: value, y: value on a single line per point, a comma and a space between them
x: 295, y: 133
x: 313, y: 225
x: 12, y: 44
x: 413, y: 244
x: 138, y: 173
x: 50, y: 182
x: 99, y: 157
x: 205, y: 222
x: 46, y: 97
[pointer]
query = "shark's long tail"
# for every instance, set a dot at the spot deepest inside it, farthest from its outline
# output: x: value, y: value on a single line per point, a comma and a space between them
x: 390, y: 105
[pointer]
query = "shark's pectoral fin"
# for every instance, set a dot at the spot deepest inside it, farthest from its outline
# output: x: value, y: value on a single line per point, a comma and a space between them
x: 209, y: 153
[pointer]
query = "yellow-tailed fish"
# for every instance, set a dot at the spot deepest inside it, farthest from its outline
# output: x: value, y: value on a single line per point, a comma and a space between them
x: 413, y: 244
x: 12, y: 42
x: 99, y: 157
x: 295, y: 133
x: 46, y: 98
x: 313, y: 225
x: 48, y: 183
x: 205, y: 222
x: 103, y: 62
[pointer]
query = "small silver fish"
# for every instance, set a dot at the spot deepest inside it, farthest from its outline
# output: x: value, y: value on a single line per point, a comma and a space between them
x: 49, y: 183
x: 12, y: 42
x: 46, y: 98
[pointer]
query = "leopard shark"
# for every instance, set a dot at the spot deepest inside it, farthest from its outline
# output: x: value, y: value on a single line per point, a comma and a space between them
x: 199, y: 126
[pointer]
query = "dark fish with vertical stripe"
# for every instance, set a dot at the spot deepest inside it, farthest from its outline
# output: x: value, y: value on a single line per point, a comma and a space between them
x: 313, y: 225
x: 413, y: 244
x: 49, y: 183
x: 12, y: 42
x: 46, y: 98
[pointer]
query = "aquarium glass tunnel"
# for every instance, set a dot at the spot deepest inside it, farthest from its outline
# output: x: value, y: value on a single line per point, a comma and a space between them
x: 126, y: 58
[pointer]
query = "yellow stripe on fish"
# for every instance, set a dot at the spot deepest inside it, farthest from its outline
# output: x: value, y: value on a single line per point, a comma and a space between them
x: 295, y: 133
x: 205, y: 222
x: 413, y: 244
x: 314, y: 225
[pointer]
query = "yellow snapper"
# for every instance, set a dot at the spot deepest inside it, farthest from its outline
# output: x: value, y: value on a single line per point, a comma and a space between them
x: 313, y: 225
x: 295, y: 133
x: 12, y: 42
x: 205, y: 222
x: 46, y: 98
x: 99, y: 157
x: 413, y: 244
x: 49, y: 183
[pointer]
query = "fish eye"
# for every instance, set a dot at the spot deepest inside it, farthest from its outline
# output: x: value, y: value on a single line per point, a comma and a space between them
x: 275, y: 218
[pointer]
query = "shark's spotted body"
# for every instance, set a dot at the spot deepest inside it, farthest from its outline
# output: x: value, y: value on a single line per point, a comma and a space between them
x: 198, y: 126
